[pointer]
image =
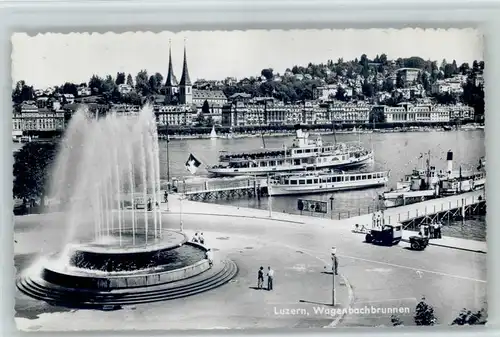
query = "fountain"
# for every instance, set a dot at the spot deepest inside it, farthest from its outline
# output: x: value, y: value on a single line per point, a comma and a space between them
x: 118, y: 249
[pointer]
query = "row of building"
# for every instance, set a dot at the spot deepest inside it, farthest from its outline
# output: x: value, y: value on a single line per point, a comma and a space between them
x: 271, y: 112
x: 256, y: 112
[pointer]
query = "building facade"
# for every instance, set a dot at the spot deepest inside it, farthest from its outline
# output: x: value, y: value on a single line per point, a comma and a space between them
x: 409, y: 113
x: 31, y: 118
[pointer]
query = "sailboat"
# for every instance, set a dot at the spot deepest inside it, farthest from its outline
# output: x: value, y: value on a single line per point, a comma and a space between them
x: 213, y: 134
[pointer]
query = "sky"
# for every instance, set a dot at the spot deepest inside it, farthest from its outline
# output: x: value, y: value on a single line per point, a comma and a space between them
x: 53, y: 58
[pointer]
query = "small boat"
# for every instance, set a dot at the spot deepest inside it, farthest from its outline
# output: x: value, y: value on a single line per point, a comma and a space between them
x: 324, y: 181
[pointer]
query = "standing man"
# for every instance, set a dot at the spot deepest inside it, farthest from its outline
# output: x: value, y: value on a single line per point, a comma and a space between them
x: 270, y: 278
x: 437, y: 230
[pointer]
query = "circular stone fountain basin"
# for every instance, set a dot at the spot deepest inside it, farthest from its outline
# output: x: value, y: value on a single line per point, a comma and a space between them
x: 121, y: 262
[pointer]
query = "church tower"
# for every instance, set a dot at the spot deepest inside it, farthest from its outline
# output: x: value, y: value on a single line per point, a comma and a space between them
x: 171, y: 88
x: 185, y: 86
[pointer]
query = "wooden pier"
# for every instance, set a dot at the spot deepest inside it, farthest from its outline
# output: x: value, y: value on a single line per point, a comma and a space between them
x: 245, y: 188
x: 442, y: 209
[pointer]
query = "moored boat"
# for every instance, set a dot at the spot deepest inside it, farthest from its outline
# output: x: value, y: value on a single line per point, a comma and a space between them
x: 324, y: 181
x: 429, y: 183
x: 303, y: 155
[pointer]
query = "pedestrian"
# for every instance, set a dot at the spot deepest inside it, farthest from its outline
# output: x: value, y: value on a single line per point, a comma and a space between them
x: 195, y: 238
x: 149, y: 205
x: 437, y: 230
x: 165, y: 196
x: 182, y: 226
x: 431, y: 231
x: 270, y: 278
x: 260, y: 277
x: 210, y: 257
x: 202, y: 239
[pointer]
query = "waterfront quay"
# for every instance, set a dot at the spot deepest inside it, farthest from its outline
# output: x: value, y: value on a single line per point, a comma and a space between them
x: 298, y: 249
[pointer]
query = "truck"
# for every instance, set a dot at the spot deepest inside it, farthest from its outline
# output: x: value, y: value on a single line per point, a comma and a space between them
x: 383, y: 233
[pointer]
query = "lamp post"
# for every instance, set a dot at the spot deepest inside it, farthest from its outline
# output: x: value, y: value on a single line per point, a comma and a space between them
x: 168, y: 161
x: 334, y: 271
x: 331, y: 206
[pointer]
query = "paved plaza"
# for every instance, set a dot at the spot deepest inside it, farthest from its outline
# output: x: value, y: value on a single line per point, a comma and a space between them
x: 298, y: 249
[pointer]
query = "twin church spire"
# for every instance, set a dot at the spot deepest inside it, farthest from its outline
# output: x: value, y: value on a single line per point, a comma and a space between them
x: 181, y: 90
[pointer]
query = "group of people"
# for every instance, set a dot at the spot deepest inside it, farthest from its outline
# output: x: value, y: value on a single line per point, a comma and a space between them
x: 432, y: 231
x: 150, y: 205
x: 198, y: 238
x: 270, y: 278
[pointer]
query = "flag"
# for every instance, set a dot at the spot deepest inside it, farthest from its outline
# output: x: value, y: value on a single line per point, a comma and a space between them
x: 192, y: 164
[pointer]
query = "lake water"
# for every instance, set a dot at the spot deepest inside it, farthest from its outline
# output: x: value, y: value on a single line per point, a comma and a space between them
x: 398, y: 152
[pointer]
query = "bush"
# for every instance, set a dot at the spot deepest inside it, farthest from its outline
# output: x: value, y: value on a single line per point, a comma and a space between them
x: 468, y: 317
x: 424, y: 314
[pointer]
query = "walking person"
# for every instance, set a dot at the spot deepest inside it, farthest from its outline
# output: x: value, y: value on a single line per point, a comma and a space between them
x: 270, y: 278
x: 210, y: 257
x: 165, y: 197
x: 260, y: 278
x: 202, y: 239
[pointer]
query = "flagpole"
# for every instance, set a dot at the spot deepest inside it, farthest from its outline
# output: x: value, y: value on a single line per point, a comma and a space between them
x: 269, y: 201
x: 168, y: 159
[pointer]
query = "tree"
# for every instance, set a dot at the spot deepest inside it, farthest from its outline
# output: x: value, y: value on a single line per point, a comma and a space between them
x: 109, y: 89
x: 445, y: 98
x: 400, y: 83
x: 267, y: 73
x: 200, y: 120
x: 449, y: 70
x: 205, y: 109
x: 130, y: 81
x: 473, y: 96
x: 154, y: 85
x: 443, y: 65
x: 383, y: 59
x: 388, y: 85
x: 425, y: 82
x: 395, y: 321
x: 341, y: 94
x: 424, y: 314
x: 377, y: 116
x: 120, y: 78
x: 31, y: 171
x: 159, y: 80
x: 95, y: 84
x: 70, y: 88
x: 475, y: 66
x: 468, y: 317
x: 464, y: 68
x: 142, y: 83
x: 132, y: 98
x: 22, y: 93
x: 367, y: 89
